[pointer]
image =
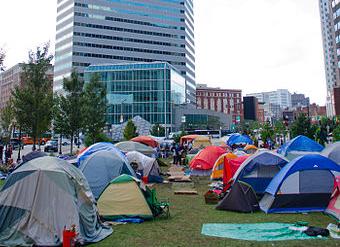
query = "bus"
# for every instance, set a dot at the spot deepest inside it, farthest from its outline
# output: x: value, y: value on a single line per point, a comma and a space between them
x: 212, y: 133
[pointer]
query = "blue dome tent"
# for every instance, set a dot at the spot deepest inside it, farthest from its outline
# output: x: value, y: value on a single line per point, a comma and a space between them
x: 303, y: 185
x: 239, y: 139
x: 298, y: 146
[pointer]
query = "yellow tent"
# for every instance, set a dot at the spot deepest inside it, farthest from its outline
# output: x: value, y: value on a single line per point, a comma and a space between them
x: 250, y: 149
x: 201, y: 142
x: 217, y: 171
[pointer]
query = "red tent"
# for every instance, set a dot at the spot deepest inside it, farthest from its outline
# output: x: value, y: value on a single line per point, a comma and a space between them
x: 206, y: 159
x: 230, y: 167
x: 334, y: 204
x: 146, y: 140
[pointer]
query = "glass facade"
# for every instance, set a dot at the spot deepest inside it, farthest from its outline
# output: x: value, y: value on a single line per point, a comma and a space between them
x: 148, y: 90
x: 199, y: 121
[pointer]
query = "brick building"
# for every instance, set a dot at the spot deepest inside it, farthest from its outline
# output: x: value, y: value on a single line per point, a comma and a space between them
x: 228, y: 101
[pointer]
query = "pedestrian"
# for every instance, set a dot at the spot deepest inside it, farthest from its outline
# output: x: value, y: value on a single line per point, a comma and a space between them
x: 174, y: 154
x: 1, y: 153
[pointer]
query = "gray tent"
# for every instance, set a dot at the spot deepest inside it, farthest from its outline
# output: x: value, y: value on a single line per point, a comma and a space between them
x: 40, y: 198
x: 241, y: 198
x: 103, y: 166
x: 129, y: 146
x: 332, y: 152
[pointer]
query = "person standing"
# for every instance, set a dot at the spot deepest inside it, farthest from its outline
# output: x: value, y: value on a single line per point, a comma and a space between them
x: 1, y: 153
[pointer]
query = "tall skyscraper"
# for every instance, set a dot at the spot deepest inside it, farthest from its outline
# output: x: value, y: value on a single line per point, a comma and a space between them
x: 116, y: 31
x: 330, y: 26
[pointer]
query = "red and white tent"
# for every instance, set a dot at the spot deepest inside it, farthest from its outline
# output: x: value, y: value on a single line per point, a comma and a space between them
x: 333, y: 208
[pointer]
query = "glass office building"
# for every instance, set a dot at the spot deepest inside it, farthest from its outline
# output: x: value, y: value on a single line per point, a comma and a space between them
x: 149, y: 90
x: 125, y: 31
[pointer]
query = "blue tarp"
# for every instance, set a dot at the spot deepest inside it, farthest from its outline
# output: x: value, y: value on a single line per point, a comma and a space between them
x: 301, y: 144
x: 255, y: 232
x: 306, y: 162
x: 98, y: 147
x: 239, y: 139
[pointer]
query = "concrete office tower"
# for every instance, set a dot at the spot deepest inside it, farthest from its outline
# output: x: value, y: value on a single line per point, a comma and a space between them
x: 121, y: 31
x: 330, y: 27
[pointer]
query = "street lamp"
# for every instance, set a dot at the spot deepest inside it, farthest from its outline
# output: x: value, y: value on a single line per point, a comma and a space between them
x: 121, y: 111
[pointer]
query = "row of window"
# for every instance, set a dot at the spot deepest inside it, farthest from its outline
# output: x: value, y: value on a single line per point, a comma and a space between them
x: 122, y: 48
x: 135, y: 59
x: 231, y: 95
x: 132, y: 12
x: 336, y: 14
x: 99, y: 36
x: 118, y: 29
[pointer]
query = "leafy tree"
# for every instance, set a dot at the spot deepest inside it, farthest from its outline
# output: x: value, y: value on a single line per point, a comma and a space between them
x: 2, y: 59
x: 99, y: 138
x: 267, y: 132
x: 68, y: 115
x: 302, y: 126
x: 130, y: 130
x: 177, y: 137
x: 336, y: 133
x: 158, y: 130
x: 33, y: 101
x: 279, y: 127
x: 94, y: 108
x: 6, y: 119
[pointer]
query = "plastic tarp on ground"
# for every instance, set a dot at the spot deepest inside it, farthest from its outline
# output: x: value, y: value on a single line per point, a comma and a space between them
x: 304, y: 185
x: 204, y: 161
x: 129, y: 146
x: 146, y: 140
x: 239, y: 139
x: 255, y: 232
x: 98, y: 147
x: 148, y: 166
x: 103, y: 166
x: 259, y: 169
x: 332, y: 152
x: 298, y: 146
x: 40, y: 198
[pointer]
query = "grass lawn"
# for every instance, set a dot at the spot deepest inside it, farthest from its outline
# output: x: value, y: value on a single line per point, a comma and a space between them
x: 188, y: 213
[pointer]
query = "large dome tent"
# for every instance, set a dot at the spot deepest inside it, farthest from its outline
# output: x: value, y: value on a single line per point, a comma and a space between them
x: 332, y: 152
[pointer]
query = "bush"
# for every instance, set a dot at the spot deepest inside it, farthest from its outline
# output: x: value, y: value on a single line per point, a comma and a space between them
x: 99, y: 138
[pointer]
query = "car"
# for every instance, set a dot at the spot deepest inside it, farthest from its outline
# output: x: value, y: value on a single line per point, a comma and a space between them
x: 51, y: 146
x: 15, y: 143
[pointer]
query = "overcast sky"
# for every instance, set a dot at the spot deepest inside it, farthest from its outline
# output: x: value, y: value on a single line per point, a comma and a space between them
x: 251, y: 45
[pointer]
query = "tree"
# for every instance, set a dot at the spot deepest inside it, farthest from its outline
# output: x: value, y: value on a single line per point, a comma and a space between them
x: 302, y: 126
x: 267, y: 132
x: 68, y: 118
x: 6, y: 119
x: 33, y: 101
x: 336, y: 133
x: 158, y: 130
x: 2, y: 59
x: 130, y: 130
x: 178, y: 137
x: 94, y: 108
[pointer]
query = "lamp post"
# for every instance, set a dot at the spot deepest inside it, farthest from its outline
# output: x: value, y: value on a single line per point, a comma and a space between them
x: 121, y: 111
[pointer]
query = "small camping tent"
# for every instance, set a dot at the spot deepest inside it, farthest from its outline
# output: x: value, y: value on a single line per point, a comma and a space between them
x: 146, y: 140
x: 237, y: 139
x: 187, y: 138
x: 95, y: 148
x: 304, y: 185
x: 230, y: 168
x: 217, y: 171
x: 103, y: 166
x: 333, y: 207
x: 147, y: 166
x: 240, y: 198
x: 123, y: 198
x: 43, y: 196
x: 201, y: 142
x: 129, y: 146
x: 298, y: 146
x: 259, y: 169
x: 332, y: 152
x: 250, y: 149
x: 203, y: 162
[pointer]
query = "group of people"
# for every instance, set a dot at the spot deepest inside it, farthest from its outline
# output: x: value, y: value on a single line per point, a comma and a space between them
x: 180, y: 151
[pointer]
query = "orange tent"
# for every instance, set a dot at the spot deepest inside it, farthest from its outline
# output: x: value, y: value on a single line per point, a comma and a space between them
x: 146, y: 140
x: 217, y: 172
x: 204, y: 161
x: 187, y: 138
x: 250, y: 149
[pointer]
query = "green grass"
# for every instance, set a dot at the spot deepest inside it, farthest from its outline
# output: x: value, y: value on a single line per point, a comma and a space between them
x: 1, y: 183
x: 188, y: 213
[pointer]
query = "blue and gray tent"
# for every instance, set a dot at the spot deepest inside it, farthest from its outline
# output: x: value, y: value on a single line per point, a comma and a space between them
x: 103, y: 166
x: 238, y: 139
x: 259, y: 169
x: 299, y: 146
x: 43, y: 196
x: 304, y: 185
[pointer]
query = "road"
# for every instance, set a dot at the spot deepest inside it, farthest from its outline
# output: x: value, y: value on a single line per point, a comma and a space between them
x: 28, y: 148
